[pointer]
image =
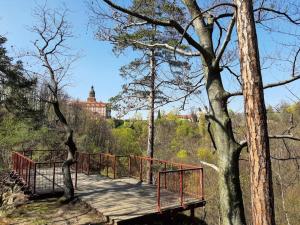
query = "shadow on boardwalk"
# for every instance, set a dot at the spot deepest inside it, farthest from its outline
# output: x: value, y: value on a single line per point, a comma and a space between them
x: 166, y: 219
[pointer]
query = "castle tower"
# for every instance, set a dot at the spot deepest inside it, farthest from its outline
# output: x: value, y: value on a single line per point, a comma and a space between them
x: 92, y: 97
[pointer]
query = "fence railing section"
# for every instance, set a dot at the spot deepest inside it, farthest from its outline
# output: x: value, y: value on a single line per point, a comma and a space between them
x: 45, y: 155
x: 187, y: 184
x: 113, y: 166
x: 40, y: 177
x: 138, y: 167
x: 185, y: 180
x: 25, y: 168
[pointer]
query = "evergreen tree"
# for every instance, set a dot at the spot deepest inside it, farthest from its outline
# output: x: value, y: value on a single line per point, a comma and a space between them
x: 17, y: 89
x: 152, y: 76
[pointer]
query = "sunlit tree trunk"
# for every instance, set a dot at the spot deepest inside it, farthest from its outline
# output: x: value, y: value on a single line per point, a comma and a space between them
x: 228, y: 150
x: 257, y: 136
x: 150, y: 144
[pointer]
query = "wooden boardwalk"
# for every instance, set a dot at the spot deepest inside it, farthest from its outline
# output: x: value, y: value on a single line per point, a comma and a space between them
x: 178, y: 187
x: 125, y: 198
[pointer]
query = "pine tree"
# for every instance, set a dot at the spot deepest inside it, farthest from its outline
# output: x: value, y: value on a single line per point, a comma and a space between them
x: 17, y: 89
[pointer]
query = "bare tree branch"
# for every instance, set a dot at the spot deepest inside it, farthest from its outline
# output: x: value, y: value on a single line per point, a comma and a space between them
x: 213, y: 166
x: 225, y: 43
x: 168, y: 47
x: 271, y: 85
x: 284, y: 14
x: 284, y: 136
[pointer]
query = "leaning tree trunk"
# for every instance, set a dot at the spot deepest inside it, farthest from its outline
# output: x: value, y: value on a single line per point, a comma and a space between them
x: 262, y: 198
x: 66, y: 167
x: 150, y: 144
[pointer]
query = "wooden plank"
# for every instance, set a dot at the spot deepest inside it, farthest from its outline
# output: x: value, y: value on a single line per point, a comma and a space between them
x: 126, y: 198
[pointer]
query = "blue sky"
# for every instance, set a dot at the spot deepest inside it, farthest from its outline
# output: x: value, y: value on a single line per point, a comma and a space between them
x: 99, y: 66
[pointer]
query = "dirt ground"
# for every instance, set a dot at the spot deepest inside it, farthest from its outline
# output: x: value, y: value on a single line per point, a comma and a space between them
x: 50, y: 211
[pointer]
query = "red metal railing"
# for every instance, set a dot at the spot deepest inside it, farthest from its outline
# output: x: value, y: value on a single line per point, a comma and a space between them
x: 40, y: 177
x: 187, y: 184
x: 177, y: 183
x: 103, y: 163
x: 40, y: 155
x: 138, y: 167
x: 25, y: 168
x: 185, y: 180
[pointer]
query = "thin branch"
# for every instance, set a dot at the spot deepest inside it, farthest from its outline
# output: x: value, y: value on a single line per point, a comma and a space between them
x: 244, y: 143
x: 271, y: 85
x: 213, y: 166
x: 225, y: 43
x: 294, y: 62
x: 167, y: 46
x: 211, y: 135
x: 284, y: 136
x: 294, y: 21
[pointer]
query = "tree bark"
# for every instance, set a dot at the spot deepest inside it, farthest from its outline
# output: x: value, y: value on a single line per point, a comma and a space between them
x: 262, y: 198
x: 150, y: 143
x: 228, y: 150
x: 66, y: 167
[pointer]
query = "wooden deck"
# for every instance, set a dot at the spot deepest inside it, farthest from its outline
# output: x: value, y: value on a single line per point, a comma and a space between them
x: 118, y: 199
x: 126, y: 198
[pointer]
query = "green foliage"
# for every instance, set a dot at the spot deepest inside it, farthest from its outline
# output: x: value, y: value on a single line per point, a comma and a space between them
x: 172, y: 116
x: 206, y: 155
x: 18, y: 134
x: 186, y: 129
x: 182, y: 154
x: 293, y: 108
x: 202, y: 124
x: 126, y: 142
x: 16, y: 88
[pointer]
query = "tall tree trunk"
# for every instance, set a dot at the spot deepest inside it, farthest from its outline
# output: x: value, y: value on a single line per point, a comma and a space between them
x: 150, y: 145
x: 257, y: 136
x: 228, y: 150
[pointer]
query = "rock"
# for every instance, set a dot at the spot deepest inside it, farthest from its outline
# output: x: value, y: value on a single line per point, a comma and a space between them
x: 11, y: 196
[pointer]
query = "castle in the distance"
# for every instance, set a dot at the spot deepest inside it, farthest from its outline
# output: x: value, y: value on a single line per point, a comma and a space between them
x: 99, y: 109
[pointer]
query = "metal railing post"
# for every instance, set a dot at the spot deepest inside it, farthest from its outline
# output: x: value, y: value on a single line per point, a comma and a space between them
x: 89, y: 161
x: 34, y: 179
x: 100, y: 163
x: 76, y: 172
x: 141, y: 169
x: 201, y: 183
x: 181, y: 186
x: 27, y: 166
x: 29, y: 174
x: 129, y: 166
x: 107, y: 165
x: 165, y: 176
x: 53, y: 180
x: 158, y: 193
x: 114, y: 166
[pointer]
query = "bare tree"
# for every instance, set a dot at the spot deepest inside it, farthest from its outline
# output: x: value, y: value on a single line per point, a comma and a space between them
x: 52, y: 31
